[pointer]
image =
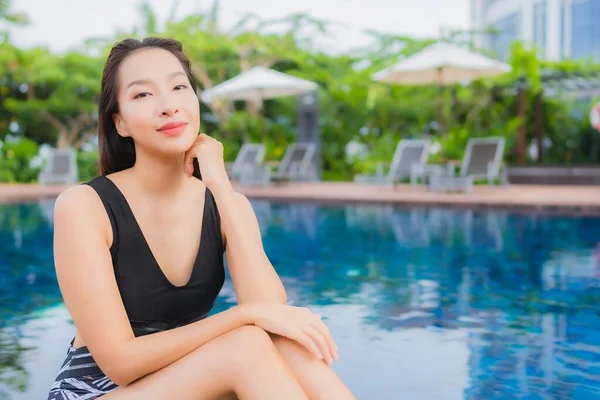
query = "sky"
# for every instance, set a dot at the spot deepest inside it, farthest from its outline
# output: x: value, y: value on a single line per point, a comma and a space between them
x: 64, y: 24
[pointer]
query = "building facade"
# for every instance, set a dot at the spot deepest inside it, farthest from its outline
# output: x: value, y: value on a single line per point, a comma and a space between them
x: 559, y: 28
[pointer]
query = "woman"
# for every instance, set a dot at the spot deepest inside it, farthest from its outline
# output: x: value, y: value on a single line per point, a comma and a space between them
x: 139, y: 259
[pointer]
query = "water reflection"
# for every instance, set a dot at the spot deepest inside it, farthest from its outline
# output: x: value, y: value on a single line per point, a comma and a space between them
x: 524, y: 287
x: 13, y: 375
x: 27, y: 283
x: 486, y: 304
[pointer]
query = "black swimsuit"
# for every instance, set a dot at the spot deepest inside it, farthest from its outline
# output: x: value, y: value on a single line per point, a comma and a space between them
x: 152, y: 302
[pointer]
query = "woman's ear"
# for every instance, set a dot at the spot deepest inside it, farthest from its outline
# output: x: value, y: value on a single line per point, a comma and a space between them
x: 120, y: 125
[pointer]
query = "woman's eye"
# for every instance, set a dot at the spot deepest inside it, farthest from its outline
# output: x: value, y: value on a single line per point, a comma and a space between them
x: 179, y: 87
x: 140, y: 95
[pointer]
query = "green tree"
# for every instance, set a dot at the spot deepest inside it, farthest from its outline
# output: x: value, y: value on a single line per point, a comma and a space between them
x: 51, y: 98
x: 60, y: 95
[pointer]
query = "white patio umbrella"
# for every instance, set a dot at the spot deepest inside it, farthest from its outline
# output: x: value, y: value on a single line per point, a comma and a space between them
x: 256, y: 84
x: 442, y: 64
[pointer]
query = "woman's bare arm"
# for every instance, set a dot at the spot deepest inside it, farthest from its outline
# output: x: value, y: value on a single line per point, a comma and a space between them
x: 86, y: 279
x: 252, y: 274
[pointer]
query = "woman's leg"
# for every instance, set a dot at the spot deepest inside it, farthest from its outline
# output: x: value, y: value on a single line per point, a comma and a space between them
x: 243, y: 361
x: 317, y: 379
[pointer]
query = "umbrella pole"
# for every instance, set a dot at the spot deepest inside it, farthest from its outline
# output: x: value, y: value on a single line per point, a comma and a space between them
x: 261, y: 118
x: 439, y: 72
x: 261, y: 115
x: 255, y: 107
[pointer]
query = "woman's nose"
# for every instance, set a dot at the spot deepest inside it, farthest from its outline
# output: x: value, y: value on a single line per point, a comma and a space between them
x: 169, y: 110
x: 168, y: 106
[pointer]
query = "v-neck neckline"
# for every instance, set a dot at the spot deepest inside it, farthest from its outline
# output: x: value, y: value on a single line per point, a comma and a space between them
x: 152, y: 256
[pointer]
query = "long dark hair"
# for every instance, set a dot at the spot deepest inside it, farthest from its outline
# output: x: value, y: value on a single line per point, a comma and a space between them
x: 117, y: 153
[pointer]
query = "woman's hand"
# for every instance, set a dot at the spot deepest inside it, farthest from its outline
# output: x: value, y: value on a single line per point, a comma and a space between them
x: 296, y: 323
x: 209, y: 153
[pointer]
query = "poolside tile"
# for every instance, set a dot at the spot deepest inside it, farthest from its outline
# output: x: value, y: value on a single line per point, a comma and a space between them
x: 584, y: 200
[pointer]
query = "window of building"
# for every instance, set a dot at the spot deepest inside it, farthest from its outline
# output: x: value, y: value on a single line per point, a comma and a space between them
x: 585, y: 29
x: 563, y: 28
x: 539, y: 25
x: 507, y: 31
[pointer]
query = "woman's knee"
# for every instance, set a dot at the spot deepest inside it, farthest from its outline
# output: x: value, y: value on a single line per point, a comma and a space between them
x: 292, y: 350
x: 250, y: 335
x: 249, y: 332
x: 250, y: 345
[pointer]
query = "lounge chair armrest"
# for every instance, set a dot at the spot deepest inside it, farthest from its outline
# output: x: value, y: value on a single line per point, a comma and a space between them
x: 491, y: 169
x: 422, y: 170
x: 417, y: 169
x: 501, y: 173
x: 495, y: 170
x: 380, y: 169
x: 451, y: 167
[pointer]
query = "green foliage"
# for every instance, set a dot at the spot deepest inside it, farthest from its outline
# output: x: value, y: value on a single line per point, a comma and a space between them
x: 526, y: 64
x: 87, y: 165
x: 51, y: 98
x: 58, y: 95
x: 15, y: 158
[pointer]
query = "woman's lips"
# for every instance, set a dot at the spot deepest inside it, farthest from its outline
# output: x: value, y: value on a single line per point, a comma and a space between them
x: 172, y: 128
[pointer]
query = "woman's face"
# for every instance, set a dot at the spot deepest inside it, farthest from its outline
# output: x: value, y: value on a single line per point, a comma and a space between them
x: 157, y: 104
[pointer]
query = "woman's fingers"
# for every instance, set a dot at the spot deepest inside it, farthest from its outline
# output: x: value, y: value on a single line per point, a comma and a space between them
x: 307, y: 342
x: 188, y: 163
x: 314, y: 335
x: 324, y: 330
x: 320, y: 341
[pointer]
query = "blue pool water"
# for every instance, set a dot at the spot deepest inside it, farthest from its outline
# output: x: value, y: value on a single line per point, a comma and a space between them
x: 423, y: 304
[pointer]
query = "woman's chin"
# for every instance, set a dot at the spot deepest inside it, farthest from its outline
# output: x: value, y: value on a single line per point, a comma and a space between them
x: 176, y: 144
x: 168, y: 149
x: 167, y: 146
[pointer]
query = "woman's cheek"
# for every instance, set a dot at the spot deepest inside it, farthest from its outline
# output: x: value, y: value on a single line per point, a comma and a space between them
x: 142, y: 114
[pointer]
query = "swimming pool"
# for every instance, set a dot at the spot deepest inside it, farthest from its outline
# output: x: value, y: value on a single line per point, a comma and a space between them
x: 423, y: 303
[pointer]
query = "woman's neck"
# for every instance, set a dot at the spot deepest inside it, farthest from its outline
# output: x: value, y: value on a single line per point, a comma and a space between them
x: 160, y: 178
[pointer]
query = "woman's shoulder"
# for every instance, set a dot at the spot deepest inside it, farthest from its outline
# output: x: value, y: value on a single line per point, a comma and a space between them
x: 78, y: 201
x: 80, y: 208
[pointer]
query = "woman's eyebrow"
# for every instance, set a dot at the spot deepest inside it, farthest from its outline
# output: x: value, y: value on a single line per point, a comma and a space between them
x: 148, y: 81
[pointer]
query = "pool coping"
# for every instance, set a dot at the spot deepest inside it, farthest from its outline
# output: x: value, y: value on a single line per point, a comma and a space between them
x: 570, y: 200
